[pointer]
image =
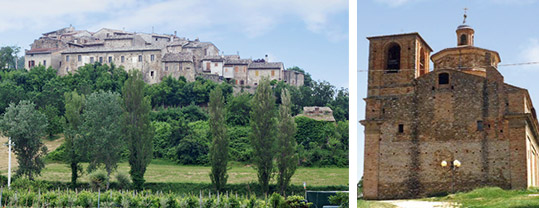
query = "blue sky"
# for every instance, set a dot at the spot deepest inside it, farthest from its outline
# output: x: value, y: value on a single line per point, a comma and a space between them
x: 313, y: 35
x: 510, y: 27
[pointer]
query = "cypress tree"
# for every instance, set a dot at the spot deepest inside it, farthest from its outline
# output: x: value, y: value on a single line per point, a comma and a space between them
x: 287, y: 160
x: 137, y: 127
x: 262, y: 136
x: 219, y: 147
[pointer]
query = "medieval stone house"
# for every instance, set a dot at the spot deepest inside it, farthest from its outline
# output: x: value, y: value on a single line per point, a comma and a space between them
x: 156, y: 55
x: 461, y: 110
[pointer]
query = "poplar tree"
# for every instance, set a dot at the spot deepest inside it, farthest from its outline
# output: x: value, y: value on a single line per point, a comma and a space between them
x: 74, y: 104
x: 137, y: 128
x: 262, y: 136
x: 287, y: 160
x: 219, y: 146
x: 102, y: 133
x: 26, y: 126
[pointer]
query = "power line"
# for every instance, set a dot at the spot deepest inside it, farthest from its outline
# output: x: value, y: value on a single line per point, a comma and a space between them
x: 502, y: 65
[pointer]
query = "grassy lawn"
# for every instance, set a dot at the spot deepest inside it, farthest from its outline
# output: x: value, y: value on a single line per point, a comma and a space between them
x: 494, y: 197
x: 166, y: 171
x: 373, y: 204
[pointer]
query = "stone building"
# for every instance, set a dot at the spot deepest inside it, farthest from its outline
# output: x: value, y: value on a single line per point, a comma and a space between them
x: 318, y: 113
x: 461, y: 110
x: 156, y: 55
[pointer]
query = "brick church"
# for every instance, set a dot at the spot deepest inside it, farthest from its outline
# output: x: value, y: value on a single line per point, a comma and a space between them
x: 455, y: 128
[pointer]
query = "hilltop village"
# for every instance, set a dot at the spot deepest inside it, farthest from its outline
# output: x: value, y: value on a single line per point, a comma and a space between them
x: 156, y: 55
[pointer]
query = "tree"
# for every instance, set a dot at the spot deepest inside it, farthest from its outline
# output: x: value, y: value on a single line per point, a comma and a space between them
x: 137, y: 127
x: 26, y: 126
x: 263, y: 132
x: 101, y: 130
x: 8, y: 57
x: 219, y: 146
x: 287, y: 159
x: 238, y: 108
x: 74, y: 104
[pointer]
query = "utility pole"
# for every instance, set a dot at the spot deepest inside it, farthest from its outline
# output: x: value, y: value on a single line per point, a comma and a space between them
x: 9, y: 144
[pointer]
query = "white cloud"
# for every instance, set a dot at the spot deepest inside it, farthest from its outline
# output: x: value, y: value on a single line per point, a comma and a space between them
x: 531, y: 52
x: 393, y: 3
x: 251, y: 18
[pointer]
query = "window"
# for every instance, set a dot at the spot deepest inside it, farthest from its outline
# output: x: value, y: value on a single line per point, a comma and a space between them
x: 463, y: 39
x: 256, y: 73
x: 67, y: 58
x: 479, y: 125
x: 443, y: 78
x: 215, y: 64
x: 139, y: 58
x: 226, y: 69
x: 31, y: 64
x: 110, y: 59
x: 166, y: 68
x: 100, y: 59
x: 79, y: 58
x: 272, y: 73
x: 151, y: 74
x: 401, y: 128
x: 236, y: 69
x: 393, y: 58
x: 152, y: 57
x: 92, y: 60
x: 241, y: 82
x: 208, y: 66
x: 67, y: 69
x: 45, y: 63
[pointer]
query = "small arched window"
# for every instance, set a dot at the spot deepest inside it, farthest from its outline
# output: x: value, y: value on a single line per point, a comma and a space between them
x: 393, y: 58
x: 443, y: 78
x: 463, y: 39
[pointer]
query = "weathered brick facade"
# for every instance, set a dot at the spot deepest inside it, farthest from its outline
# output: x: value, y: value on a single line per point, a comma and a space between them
x: 462, y: 110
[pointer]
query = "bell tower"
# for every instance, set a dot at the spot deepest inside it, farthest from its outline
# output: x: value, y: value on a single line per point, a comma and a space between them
x: 465, y: 33
x: 395, y: 61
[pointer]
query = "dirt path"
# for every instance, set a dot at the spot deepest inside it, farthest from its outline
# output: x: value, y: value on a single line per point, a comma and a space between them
x: 420, y: 204
x: 51, y: 145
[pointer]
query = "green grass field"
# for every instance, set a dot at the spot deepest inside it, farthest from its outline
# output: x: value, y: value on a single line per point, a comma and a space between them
x: 160, y: 171
x: 494, y: 197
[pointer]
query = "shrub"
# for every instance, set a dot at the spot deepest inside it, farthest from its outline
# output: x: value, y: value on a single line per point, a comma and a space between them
x: 341, y: 199
x: 276, y: 201
x: 297, y: 202
x: 3, y: 180
x: 26, y: 184
x: 123, y: 179
x: 98, y: 179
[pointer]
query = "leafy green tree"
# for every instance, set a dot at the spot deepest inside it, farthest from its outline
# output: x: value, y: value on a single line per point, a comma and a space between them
x: 74, y: 105
x: 219, y: 146
x: 10, y: 92
x: 323, y: 93
x: 26, y: 126
x: 263, y: 132
x: 137, y: 128
x: 55, y: 123
x: 287, y: 159
x: 101, y: 130
x: 340, y: 105
x: 193, y: 148
x: 238, y: 108
x: 8, y: 57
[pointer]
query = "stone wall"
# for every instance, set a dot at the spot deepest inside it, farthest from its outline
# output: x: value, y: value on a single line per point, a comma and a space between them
x: 255, y: 75
x: 131, y: 61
